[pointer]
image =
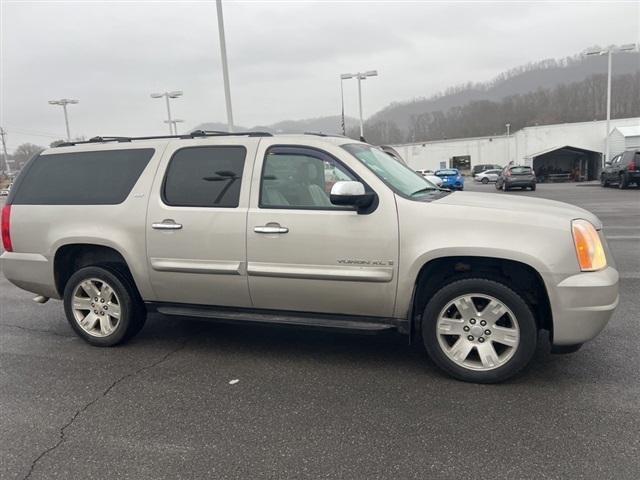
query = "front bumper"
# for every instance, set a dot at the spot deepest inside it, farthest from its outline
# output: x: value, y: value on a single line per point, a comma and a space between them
x: 30, y: 271
x: 582, y: 304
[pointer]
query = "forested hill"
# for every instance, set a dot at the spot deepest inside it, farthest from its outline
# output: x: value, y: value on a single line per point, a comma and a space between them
x: 546, y: 74
x: 574, y: 102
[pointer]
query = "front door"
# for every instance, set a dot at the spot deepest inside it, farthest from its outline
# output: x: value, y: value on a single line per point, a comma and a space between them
x: 196, y: 222
x: 305, y: 254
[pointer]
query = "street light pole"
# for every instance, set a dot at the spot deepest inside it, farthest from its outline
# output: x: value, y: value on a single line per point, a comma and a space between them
x: 606, y: 139
x: 167, y: 96
x: 609, y: 51
x: 344, y: 128
x: 508, y: 125
x: 63, y: 103
x: 175, y: 123
x: 360, y: 76
x: 225, y: 67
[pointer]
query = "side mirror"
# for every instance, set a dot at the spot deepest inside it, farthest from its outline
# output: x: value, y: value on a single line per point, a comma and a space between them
x: 352, y: 194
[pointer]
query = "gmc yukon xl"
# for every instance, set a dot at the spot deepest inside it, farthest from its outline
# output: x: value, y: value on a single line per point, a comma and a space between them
x: 304, y: 230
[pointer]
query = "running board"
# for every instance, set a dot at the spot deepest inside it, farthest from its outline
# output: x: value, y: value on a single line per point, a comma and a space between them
x: 302, y: 319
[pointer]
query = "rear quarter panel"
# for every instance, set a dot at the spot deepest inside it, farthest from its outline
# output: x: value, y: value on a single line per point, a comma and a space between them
x: 43, y: 229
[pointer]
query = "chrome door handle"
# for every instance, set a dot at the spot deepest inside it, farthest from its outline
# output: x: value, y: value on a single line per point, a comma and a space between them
x: 167, y: 224
x: 271, y: 228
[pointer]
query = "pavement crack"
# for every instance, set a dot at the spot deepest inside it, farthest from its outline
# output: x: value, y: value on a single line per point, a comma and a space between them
x: 37, y: 330
x: 62, y: 432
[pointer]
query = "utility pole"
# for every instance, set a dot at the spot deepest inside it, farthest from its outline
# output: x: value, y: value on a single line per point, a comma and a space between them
x: 6, y: 167
x: 225, y: 67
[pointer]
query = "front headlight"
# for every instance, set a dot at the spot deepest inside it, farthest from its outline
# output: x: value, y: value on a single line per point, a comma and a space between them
x: 588, y: 246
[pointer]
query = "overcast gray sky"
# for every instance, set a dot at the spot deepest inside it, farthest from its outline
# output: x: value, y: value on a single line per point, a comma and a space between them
x: 285, y: 57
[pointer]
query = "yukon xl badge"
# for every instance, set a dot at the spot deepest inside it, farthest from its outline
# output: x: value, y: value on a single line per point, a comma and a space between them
x: 349, y: 261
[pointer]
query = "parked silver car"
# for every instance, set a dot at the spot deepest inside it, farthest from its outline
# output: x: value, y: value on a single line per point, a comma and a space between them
x: 303, y: 230
x: 487, y: 176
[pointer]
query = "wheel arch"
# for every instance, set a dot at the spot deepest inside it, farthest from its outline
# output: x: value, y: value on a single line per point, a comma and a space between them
x: 520, y: 276
x: 71, y: 257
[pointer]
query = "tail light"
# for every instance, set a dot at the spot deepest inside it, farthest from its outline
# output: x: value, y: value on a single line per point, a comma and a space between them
x: 632, y: 166
x: 5, y: 225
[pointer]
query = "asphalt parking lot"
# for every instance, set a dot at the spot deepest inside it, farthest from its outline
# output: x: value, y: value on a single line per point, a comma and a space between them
x: 317, y: 405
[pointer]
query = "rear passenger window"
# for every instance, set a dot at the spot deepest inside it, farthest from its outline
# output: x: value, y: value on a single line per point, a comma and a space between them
x: 82, y: 178
x: 205, y: 177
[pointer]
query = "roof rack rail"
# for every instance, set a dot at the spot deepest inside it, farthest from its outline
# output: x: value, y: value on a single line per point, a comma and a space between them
x: 321, y: 134
x: 194, y: 134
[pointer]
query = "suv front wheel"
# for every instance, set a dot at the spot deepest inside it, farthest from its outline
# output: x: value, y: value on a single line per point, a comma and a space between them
x: 479, y: 330
x: 103, y: 306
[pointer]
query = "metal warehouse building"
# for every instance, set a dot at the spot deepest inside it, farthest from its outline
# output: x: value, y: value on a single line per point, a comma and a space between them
x: 571, y: 149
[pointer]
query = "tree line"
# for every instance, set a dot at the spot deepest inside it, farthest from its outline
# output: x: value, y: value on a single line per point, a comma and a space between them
x: 576, y: 102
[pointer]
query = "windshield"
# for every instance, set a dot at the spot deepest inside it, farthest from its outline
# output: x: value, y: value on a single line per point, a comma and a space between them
x: 400, y: 178
x: 446, y: 173
x: 519, y: 170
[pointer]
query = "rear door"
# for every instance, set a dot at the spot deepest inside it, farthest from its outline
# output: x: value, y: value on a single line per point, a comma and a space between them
x: 196, y: 242
x: 305, y: 254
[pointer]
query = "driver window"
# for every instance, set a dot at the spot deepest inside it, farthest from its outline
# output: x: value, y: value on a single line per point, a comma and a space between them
x: 299, y: 181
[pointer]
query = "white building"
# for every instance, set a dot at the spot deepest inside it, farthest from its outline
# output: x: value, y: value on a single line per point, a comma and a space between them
x: 574, y: 148
x: 624, y: 138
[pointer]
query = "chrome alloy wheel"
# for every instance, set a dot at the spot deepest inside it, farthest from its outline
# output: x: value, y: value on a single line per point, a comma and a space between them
x: 478, y: 332
x: 96, y: 307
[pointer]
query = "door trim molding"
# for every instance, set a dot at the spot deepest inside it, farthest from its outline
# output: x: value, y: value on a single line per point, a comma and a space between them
x: 217, y: 267
x: 321, y: 272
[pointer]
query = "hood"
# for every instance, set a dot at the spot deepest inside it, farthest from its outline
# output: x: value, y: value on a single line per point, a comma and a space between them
x: 519, y: 204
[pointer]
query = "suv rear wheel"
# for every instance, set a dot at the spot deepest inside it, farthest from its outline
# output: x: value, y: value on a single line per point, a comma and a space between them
x: 479, y: 330
x: 103, y: 306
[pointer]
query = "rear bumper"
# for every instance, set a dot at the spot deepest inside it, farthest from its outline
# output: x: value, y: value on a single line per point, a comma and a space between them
x: 582, y: 305
x: 30, y: 271
x: 520, y: 183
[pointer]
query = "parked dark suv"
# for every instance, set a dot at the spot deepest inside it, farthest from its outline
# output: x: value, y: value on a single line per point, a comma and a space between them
x: 516, y: 176
x: 623, y: 170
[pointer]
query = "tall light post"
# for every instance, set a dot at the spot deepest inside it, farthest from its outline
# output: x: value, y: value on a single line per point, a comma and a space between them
x: 175, y: 123
x: 225, y: 67
x: 343, y: 77
x: 508, y: 125
x: 360, y: 76
x: 63, y: 103
x: 167, y: 96
x: 609, y: 51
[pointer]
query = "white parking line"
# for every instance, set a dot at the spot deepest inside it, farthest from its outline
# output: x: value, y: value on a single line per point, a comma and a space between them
x: 623, y: 237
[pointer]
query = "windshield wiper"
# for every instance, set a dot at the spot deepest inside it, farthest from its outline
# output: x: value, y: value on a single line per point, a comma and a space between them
x: 423, y: 190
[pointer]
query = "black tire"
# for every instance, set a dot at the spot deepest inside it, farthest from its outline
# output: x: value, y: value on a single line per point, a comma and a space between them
x: 497, y: 187
x: 603, y: 181
x: 132, y: 310
x: 623, y: 182
x: 485, y: 180
x: 525, y: 318
x: 533, y: 187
